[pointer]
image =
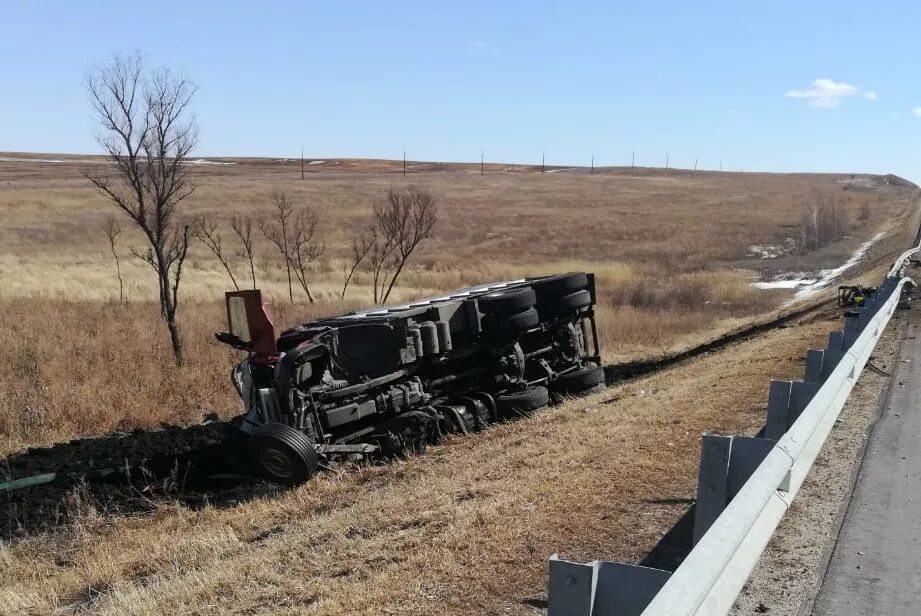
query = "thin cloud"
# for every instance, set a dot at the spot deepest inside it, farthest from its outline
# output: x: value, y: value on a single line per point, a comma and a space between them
x: 870, y: 95
x: 916, y: 112
x: 826, y: 94
x: 484, y: 46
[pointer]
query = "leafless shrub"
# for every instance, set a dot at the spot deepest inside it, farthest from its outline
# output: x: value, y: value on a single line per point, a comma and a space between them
x: 278, y: 232
x: 294, y: 234
x: 306, y: 246
x: 113, y: 230
x: 243, y: 227
x: 208, y: 234
x: 822, y: 223
x: 401, y: 222
x: 863, y: 214
x: 361, y: 246
x: 148, y: 131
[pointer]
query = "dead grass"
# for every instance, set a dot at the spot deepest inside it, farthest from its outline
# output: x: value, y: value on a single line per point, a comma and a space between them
x: 669, y: 251
x: 464, y: 529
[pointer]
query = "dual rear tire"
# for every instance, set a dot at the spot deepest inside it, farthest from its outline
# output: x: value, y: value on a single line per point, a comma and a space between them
x: 282, y: 454
x: 584, y: 380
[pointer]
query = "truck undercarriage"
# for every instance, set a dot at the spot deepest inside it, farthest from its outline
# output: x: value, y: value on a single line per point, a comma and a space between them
x: 386, y: 381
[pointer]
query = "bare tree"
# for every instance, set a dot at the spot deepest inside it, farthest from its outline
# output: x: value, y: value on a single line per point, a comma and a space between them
x: 863, y: 214
x: 113, y: 230
x: 294, y: 234
x: 208, y: 234
x: 305, y: 246
x: 822, y: 223
x: 278, y: 232
x: 148, y: 131
x: 362, y: 244
x: 243, y: 227
x: 380, y: 258
x: 401, y: 222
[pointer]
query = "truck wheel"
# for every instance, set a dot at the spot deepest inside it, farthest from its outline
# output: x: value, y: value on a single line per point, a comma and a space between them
x: 561, y: 284
x: 508, y: 326
x: 522, y: 403
x: 579, y: 381
x: 507, y: 302
x: 565, y: 304
x: 282, y: 454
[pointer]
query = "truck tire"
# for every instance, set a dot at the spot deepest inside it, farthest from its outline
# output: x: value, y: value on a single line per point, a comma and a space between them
x: 561, y: 284
x: 579, y: 381
x: 282, y: 454
x: 509, y: 326
x: 507, y: 302
x: 565, y: 304
x: 522, y: 403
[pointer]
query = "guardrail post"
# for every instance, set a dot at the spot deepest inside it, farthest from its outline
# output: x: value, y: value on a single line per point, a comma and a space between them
x: 571, y: 589
x: 851, y: 329
x: 833, y: 353
x: 778, y: 409
x: 726, y: 463
x: 601, y: 588
x: 800, y: 395
x: 814, y: 358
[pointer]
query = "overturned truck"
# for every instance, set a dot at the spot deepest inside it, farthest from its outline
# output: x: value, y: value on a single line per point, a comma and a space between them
x: 390, y: 380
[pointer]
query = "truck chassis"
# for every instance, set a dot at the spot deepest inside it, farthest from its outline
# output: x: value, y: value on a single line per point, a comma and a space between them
x: 386, y: 381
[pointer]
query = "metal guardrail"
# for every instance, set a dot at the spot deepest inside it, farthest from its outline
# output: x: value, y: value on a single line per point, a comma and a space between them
x: 745, y: 486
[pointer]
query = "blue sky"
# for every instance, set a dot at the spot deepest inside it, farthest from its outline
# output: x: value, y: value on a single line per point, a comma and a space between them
x: 716, y: 81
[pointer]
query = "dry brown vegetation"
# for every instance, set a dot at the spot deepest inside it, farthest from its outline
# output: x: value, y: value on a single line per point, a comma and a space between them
x: 669, y: 251
x: 467, y: 527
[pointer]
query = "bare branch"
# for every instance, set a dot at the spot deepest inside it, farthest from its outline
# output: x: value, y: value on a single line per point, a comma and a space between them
x: 209, y: 235
x: 147, y: 131
x: 112, y: 230
x: 278, y: 232
x: 362, y: 245
x: 402, y: 222
x: 243, y: 227
x: 304, y: 246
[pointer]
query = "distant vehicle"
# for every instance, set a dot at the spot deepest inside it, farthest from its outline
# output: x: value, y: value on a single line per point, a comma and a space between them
x: 392, y: 380
x: 852, y: 296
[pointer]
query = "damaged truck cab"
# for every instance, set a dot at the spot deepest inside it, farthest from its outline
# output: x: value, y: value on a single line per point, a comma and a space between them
x: 391, y: 380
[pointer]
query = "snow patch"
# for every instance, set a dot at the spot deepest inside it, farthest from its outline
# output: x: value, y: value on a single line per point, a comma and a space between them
x: 765, y: 252
x: 7, y: 159
x: 205, y: 161
x: 317, y: 162
x: 785, y: 283
x: 806, y: 285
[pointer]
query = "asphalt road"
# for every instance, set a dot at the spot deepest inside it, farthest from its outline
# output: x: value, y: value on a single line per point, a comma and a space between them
x: 876, y: 565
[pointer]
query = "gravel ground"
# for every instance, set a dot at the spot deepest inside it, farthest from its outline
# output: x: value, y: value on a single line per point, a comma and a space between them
x: 790, y: 572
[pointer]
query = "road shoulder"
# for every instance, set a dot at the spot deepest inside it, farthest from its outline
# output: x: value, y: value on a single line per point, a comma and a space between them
x: 790, y: 572
x: 876, y: 564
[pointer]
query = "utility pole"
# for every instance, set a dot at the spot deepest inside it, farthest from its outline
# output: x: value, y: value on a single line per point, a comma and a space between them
x: 542, y: 158
x: 666, y: 161
x: 721, y: 165
x: 482, y: 158
x: 404, y: 162
x: 302, y: 162
x: 695, y: 164
x: 593, y: 165
x: 633, y: 159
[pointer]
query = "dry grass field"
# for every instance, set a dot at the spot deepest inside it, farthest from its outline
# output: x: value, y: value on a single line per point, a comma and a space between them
x: 670, y: 250
x: 465, y: 529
